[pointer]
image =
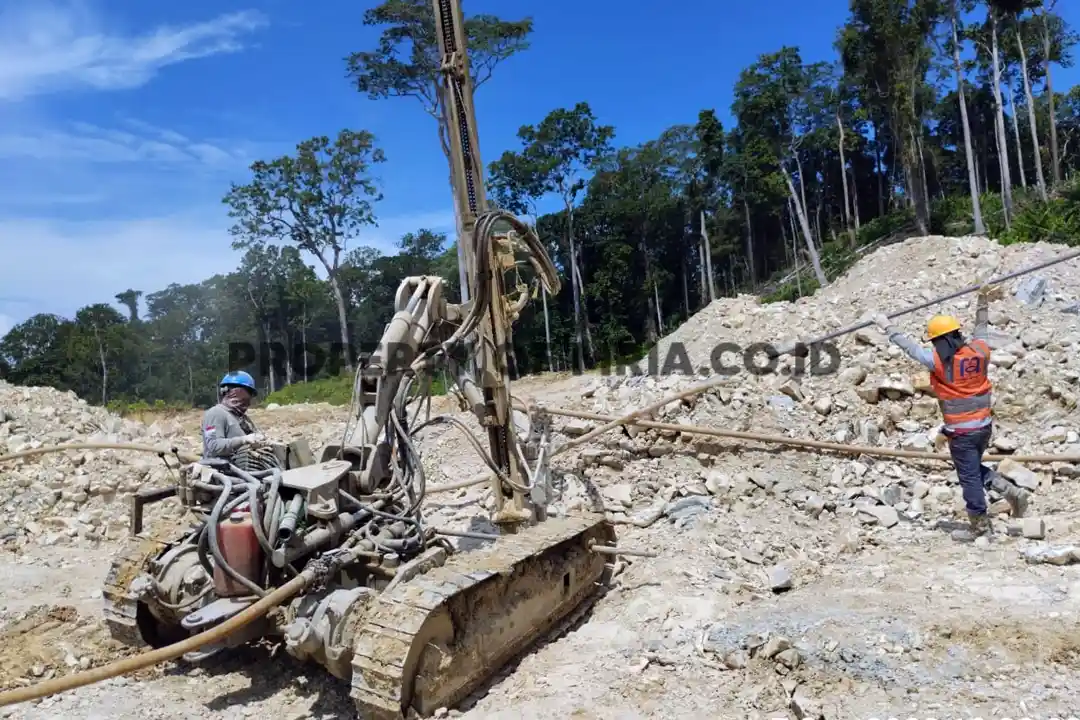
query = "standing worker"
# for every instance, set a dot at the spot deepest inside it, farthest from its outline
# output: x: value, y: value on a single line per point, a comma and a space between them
x: 959, y: 378
x: 227, y: 429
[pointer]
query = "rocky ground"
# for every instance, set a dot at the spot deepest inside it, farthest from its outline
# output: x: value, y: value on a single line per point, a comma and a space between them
x: 788, y: 583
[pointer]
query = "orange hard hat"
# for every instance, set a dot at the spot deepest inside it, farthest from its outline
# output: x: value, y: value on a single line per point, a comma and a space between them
x: 941, y: 325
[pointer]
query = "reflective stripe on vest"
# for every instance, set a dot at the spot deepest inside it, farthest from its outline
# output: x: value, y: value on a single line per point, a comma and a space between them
x: 963, y: 388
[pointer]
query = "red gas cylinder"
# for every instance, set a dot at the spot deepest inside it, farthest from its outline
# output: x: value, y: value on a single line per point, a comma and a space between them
x: 240, y: 548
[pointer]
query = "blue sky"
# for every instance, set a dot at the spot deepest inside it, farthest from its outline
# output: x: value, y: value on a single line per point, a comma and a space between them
x: 122, y: 123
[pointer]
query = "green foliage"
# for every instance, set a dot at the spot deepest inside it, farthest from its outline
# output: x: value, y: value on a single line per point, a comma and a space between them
x: 875, y: 140
x: 140, y: 408
x: 316, y: 199
x: 405, y: 61
x: 332, y: 390
x: 1056, y: 221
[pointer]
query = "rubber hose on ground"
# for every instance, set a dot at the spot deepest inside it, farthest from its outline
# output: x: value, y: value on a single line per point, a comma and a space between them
x: 154, y: 657
x: 136, y: 447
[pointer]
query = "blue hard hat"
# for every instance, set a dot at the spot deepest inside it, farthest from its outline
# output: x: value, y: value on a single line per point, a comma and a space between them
x: 238, y: 378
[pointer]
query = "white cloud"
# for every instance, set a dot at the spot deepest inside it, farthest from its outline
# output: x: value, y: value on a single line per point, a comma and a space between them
x: 82, y: 142
x: 57, y: 267
x: 48, y: 47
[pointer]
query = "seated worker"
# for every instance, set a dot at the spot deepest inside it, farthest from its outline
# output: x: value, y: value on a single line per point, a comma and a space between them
x: 226, y: 427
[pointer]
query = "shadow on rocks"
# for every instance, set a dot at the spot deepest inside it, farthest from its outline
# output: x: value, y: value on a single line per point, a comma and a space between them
x: 271, y: 670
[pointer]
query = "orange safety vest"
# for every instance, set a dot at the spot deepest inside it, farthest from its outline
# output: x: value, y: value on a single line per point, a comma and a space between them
x: 963, y: 389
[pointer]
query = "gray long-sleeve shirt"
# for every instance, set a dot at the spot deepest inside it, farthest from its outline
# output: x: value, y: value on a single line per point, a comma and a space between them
x: 925, y: 355
x: 223, y: 434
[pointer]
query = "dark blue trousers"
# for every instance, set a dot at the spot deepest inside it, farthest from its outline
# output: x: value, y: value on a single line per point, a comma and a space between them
x: 967, y: 449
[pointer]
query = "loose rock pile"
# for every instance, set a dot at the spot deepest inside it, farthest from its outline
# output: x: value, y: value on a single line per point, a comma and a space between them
x: 56, y: 498
x: 789, y: 583
x: 876, y: 396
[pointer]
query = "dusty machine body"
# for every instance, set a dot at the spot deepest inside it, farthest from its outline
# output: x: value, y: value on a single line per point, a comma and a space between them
x: 412, y: 624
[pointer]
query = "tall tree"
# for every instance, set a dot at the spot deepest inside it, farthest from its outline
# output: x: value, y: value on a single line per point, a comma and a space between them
x: 406, y: 60
x: 885, y: 46
x: 318, y: 199
x: 955, y: 7
x: 556, y: 154
x: 130, y: 300
x: 1020, y: 28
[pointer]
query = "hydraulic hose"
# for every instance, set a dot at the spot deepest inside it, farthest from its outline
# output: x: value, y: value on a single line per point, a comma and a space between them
x: 797, y: 442
x: 171, y: 652
x: 135, y: 447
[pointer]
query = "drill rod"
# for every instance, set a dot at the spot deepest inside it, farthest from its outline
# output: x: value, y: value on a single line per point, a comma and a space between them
x: 866, y: 323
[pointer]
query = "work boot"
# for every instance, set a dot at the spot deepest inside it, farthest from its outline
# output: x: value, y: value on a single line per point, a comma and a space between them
x: 978, y: 526
x: 1017, y: 497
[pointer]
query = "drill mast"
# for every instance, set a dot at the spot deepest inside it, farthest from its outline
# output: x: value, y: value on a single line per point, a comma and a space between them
x: 490, y: 350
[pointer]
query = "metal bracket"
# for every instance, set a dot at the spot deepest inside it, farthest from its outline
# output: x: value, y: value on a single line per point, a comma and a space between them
x: 146, y: 497
x: 216, y: 613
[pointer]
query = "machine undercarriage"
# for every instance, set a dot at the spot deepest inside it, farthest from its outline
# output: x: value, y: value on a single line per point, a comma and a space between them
x: 412, y: 624
x: 409, y: 622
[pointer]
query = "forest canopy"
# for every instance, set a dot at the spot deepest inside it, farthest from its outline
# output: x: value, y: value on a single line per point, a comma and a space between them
x: 934, y: 116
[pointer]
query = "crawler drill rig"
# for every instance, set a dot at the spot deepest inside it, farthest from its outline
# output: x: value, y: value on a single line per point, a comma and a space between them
x: 412, y: 623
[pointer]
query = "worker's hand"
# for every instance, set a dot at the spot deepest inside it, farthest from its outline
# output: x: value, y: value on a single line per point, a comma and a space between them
x: 991, y: 292
x: 878, y: 319
x: 255, y: 440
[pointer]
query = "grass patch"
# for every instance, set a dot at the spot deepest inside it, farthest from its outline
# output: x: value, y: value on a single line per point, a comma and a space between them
x: 139, y: 408
x: 332, y: 391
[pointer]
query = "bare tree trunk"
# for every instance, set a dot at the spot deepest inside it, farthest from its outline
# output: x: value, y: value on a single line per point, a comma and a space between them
x: 806, y: 230
x: 708, y: 259
x: 343, y: 316
x: 686, y: 287
x: 922, y: 167
x: 577, y: 307
x: 652, y: 327
x: 795, y: 246
x: 1055, y: 159
x: 303, y: 344
x: 104, y: 368
x: 1006, y: 175
x: 855, y: 201
x: 701, y: 260
x: 659, y: 311
x: 973, y: 180
x: 1016, y: 135
x: 269, y: 349
x: 584, y: 307
x: 914, y: 180
x: 575, y: 284
x: 547, y: 329
x: 877, y: 168
x: 576, y: 267
x: 290, y: 371
x: 817, y: 222
x: 843, y: 174
x: 978, y: 179
x: 1029, y: 98
x: 750, y: 245
x: 802, y: 185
